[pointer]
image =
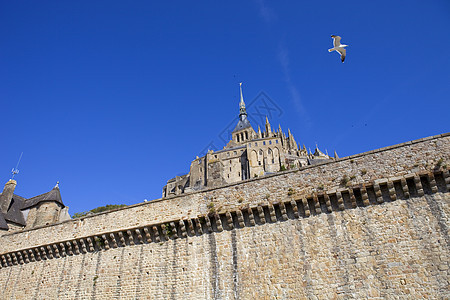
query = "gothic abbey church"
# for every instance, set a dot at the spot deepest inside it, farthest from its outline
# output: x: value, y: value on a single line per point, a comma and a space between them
x: 248, y: 154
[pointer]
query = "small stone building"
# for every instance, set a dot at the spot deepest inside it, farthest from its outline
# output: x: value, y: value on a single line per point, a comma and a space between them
x: 248, y: 154
x: 18, y: 213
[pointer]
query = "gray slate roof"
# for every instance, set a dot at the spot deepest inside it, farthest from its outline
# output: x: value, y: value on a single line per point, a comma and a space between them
x: 3, y: 224
x: 14, y: 213
x: 53, y: 195
x: 243, y: 123
x: 19, y: 203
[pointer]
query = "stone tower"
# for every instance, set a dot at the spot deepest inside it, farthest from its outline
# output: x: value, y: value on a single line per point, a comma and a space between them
x: 243, y: 130
x: 18, y: 213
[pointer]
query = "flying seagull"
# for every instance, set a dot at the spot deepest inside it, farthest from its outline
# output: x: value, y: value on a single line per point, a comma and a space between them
x: 338, y: 47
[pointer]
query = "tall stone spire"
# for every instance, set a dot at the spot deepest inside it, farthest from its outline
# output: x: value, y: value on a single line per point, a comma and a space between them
x: 243, y: 121
x: 335, y: 154
x: 292, y: 142
x: 268, y: 129
x: 242, y: 110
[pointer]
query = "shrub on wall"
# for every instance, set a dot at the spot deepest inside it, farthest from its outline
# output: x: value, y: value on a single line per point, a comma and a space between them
x: 97, y: 210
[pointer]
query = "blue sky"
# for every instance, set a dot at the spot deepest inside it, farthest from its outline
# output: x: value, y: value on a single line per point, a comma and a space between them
x: 113, y: 98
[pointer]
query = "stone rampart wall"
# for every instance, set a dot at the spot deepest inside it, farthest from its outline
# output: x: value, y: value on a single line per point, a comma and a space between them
x: 395, y: 249
x: 409, y: 158
x: 370, y: 225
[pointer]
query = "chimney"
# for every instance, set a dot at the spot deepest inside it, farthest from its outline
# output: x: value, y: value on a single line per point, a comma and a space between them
x: 6, y: 196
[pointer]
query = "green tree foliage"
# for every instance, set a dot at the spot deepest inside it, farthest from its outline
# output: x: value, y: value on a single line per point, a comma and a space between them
x: 97, y: 210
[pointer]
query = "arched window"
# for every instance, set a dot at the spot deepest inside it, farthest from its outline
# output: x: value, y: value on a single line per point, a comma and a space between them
x: 246, y: 135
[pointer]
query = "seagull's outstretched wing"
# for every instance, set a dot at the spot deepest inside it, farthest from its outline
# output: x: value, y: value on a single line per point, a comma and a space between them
x: 336, y: 40
x: 343, y: 52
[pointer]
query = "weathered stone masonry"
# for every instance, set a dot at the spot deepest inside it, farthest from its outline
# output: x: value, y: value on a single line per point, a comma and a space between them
x: 371, y: 225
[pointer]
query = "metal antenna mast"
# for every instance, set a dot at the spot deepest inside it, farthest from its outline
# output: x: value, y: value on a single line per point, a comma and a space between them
x: 15, y: 170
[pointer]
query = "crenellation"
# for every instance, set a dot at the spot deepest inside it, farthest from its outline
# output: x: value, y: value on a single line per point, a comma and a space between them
x: 43, y: 253
x: 272, y: 214
x: 198, y: 226
x: 20, y: 258
x: 63, y: 250
x: 340, y: 200
x: 240, y: 219
x: 49, y: 252
x: 164, y: 233
x: 182, y: 227
x: 306, y: 207
x: 262, y: 218
x: 130, y: 237
x: 90, y: 241
x: 56, y: 250
x: 229, y: 220
x: 405, y: 188
x: 190, y: 227
x: 283, y: 211
x: 147, y: 234
x: 364, y: 195
x: 138, y: 234
x: 432, y: 181
x: 68, y: 249
x: 156, y: 233
x: 106, y: 243
x: 121, y: 239
x: 446, y: 174
x: 75, y: 247
x: 83, y: 245
x: 25, y: 257
x: 207, y: 221
x: 173, y: 233
x: 327, y: 202
x: 419, y: 187
x: 113, y: 240
x: 251, y: 216
x: 294, y: 207
x: 218, y: 222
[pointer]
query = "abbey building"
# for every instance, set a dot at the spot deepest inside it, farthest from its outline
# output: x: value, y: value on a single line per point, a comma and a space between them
x: 248, y: 154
